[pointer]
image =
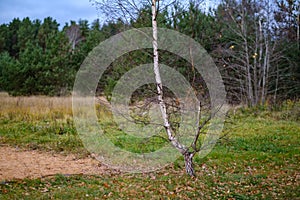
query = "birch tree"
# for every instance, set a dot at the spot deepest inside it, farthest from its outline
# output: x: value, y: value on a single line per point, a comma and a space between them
x: 129, y: 10
x: 249, y: 52
x: 74, y: 35
x: 188, y: 156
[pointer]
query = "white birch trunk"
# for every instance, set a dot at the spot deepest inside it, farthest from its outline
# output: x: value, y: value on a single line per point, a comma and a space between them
x: 247, y: 59
x: 263, y: 66
x: 188, y: 157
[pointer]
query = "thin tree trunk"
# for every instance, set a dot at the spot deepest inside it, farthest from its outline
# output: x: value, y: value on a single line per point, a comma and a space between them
x: 262, y: 64
x: 265, y: 74
x: 276, y: 85
x: 249, y: 77
x: 248, y: 66
x: 188, y: 157
x: 159, y: 85
x: 298, y: 28
x: 188, y: 160
x: 256, y: 65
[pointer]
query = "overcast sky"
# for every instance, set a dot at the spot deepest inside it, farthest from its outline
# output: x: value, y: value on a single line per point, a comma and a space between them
x: 61, y: 10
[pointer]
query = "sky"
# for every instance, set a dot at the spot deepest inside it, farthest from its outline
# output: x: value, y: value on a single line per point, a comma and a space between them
x: 61, y: 10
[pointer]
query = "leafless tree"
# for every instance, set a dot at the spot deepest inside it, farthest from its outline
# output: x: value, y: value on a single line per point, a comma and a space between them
x: 249, y: 59
x: 129, y: 10
x: 74, y: 35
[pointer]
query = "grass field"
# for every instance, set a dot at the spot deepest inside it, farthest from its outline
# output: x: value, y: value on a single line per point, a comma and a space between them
x: 258, y: 160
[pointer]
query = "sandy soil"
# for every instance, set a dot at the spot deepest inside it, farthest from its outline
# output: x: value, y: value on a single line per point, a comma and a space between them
x: 19, y: 164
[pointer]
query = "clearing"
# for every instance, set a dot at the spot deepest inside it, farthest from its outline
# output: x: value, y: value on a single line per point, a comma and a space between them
x: 16, y: 163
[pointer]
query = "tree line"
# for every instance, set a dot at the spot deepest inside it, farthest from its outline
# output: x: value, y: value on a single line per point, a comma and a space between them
x: 255, y: 44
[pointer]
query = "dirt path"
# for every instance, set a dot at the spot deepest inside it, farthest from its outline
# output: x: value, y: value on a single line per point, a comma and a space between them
x: 19, y: 164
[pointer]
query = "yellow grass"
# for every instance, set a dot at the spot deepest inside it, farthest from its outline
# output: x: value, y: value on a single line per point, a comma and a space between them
x: 35, y: 107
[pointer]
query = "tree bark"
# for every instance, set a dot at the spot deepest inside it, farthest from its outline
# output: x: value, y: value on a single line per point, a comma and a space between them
x: 159, y: 85
x: 188, y: 157
x: 188, y: 160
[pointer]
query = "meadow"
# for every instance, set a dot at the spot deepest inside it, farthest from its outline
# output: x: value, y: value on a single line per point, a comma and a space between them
x: 259, y: 158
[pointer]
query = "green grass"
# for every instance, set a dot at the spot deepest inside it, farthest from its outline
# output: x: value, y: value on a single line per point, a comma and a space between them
x: 57, y: 137
x: 258, y: 160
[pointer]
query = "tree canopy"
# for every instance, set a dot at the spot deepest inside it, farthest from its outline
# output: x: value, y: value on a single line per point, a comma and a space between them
x: 254, y: 44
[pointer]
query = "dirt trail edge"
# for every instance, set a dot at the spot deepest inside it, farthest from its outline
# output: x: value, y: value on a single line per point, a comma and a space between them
x: 19, y: 164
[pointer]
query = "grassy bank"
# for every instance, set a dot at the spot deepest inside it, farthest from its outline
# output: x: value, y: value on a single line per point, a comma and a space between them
x: 259, y: 159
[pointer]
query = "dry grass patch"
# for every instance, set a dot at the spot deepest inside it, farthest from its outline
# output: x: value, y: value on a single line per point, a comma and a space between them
x: 35, y: 108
